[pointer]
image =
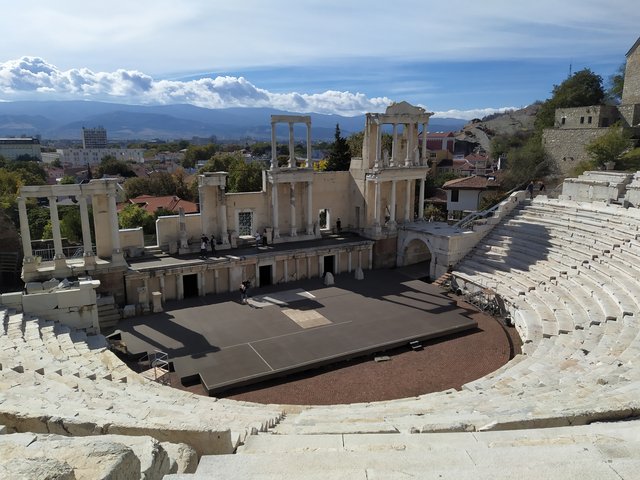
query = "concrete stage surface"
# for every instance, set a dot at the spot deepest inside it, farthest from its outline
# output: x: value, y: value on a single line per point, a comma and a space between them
x: 293, y: 327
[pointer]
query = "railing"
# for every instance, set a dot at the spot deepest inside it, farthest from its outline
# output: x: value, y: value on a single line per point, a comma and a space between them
x: 47, y: 254
x: 158, y: 366
x: 468, y: 221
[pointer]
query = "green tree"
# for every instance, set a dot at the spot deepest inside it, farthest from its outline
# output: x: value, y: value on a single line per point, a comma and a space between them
x: 616, y: 84
x: 56, y: 163
x: 38, y: 217
x: 70, y: 223
x: 339, y: 155
x: 525, y: 163
x: 68, y: 180
x: 133, y: 216
x: 356, y: 140
x: 110, y: 165
x: 609, y: 147
x: 196, y: 153
x: 245, y: 177
x: 630, y: 161
x: 581, y: 89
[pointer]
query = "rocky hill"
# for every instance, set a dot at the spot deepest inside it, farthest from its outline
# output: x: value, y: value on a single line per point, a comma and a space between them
x: 482, y: 131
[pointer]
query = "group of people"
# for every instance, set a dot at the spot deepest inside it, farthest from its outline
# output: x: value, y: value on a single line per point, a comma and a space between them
x: 204, y: 243
x: 261, y: 239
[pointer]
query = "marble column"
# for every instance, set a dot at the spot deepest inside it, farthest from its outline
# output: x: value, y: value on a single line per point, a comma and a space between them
x: 407, y: 203
x: 409, y: 150
x: 115, y: 230
x: 86, y: 230
x: 308, y: 163
x: 378, y: 145
x: 161, y: 278
x: 274, y: 200
x: 309, y: 208
x: 308, y: 267
x: 224, y: 228
x: 394, y: 145
x: 285, y: 264
x: 179, y: 287
x: 292, y: 146
x: 320, y: 266
x: 349, y: 262
x: 55, y: 228
x: 292, y: 203
x: 392, y: 219
x: 424, y: 144
x: 370, y: 258
x: 274, y: 150
x: 25, y: 233
x: 376, y: 211
x: 421, y: 199
x: 216, y: 281
x: 200, y: 277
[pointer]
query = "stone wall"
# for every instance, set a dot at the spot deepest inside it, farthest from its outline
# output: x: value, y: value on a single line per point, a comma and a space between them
x: 592, y: 116
x: 566, y: 146
x: 72, y: 304
x: 630, y: 114
x: 631, y: 91
x: 384, y: 253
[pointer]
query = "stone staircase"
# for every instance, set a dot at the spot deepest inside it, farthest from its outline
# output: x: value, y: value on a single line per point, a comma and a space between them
x: 108, y: 313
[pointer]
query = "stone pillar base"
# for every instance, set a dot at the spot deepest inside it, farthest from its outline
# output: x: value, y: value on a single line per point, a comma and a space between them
x: 156, y: 298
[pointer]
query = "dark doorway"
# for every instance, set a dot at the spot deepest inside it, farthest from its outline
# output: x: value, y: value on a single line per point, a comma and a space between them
x: 190, y: 285
x: 265, y: 275
x: 328, y: 263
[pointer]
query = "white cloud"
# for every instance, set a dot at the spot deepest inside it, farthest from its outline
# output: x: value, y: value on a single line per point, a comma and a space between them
x: 471, y: 114
x: 34, y: 78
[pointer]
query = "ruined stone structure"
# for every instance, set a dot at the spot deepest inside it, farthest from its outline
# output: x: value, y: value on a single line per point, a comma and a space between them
x: 296, y: 206
x: 574, y: 128
x: 566, y: 271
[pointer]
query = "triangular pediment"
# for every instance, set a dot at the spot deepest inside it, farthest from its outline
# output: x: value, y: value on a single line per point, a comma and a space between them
x: 404, y: 108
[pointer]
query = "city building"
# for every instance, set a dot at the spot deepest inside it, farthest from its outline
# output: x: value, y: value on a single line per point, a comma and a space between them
x: 94, y: 137
x: 12, y: 148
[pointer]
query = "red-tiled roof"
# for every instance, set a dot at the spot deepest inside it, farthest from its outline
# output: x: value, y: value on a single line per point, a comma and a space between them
x: 472, y: 183
x: 167, y: 202
x: 435, y: 135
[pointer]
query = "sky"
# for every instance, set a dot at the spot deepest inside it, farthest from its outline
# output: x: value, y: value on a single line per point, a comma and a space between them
x: 462, y: 59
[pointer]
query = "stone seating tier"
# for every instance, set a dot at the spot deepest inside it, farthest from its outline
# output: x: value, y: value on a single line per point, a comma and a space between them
x: 56, y: 379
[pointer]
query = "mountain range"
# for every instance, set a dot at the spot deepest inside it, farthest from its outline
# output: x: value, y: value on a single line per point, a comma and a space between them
x: 55, y: 120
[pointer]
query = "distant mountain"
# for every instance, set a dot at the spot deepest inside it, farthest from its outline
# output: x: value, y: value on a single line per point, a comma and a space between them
x: 64, y: 120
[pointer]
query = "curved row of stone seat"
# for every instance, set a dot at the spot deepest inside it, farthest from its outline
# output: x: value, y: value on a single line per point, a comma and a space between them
x: 57, y: 380
x: 578, y: 352
x: 602, y: 451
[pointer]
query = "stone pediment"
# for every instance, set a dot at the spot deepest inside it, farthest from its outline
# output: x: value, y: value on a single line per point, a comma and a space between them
x: 404, y: 108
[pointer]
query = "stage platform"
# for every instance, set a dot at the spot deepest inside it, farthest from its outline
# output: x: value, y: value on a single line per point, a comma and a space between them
x: 293, y: 327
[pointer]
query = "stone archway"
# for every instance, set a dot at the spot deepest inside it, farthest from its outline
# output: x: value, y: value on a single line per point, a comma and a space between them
x: 417, y: 251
